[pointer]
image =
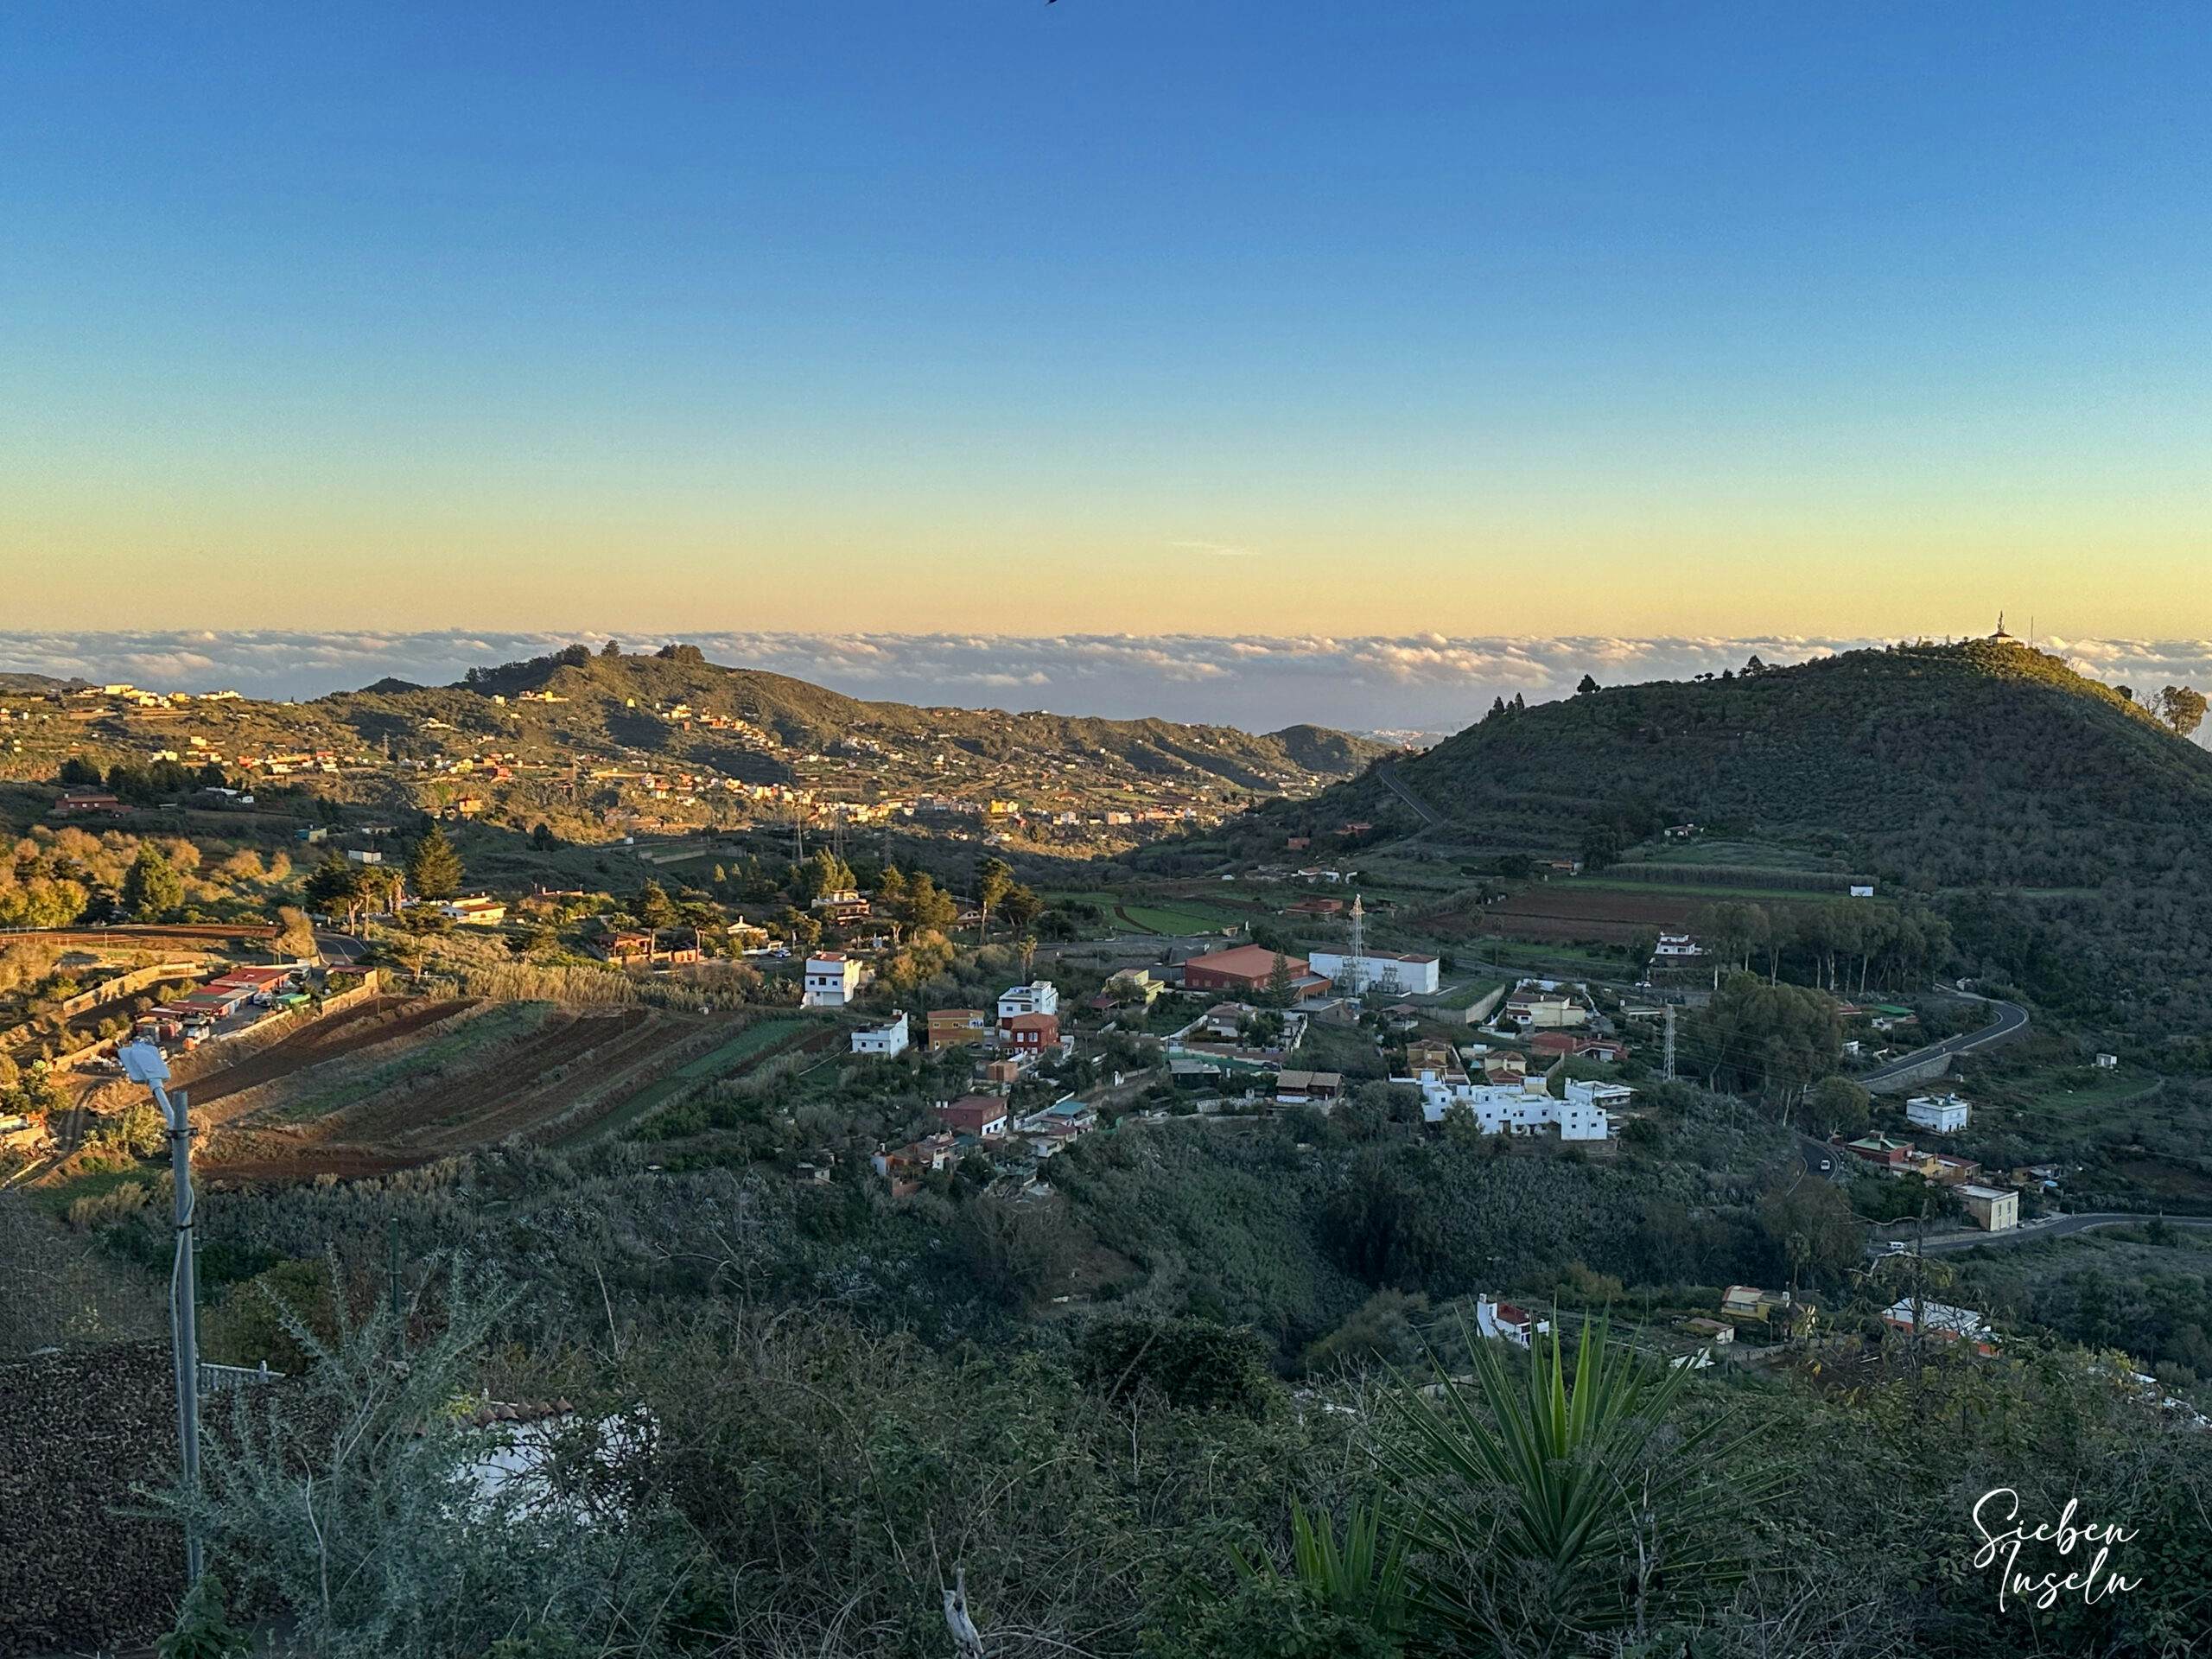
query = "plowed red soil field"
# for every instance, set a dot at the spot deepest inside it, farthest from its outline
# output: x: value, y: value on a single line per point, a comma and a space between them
x: 565, y: 1071
x: 1560, y: 914
x: 376, y: 1020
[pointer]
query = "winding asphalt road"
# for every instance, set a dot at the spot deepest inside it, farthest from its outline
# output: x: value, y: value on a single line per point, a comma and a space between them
x: 2011, y: 1020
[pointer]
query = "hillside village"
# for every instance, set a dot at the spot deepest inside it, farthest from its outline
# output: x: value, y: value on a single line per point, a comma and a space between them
x: 1000, y: 1056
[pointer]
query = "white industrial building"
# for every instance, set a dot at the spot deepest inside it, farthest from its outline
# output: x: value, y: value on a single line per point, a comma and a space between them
x: 1390, y: 972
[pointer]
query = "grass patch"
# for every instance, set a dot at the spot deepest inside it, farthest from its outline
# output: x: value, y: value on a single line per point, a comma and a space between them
x: 732, y: 1056
x: 1171, y: 919
x: 1466, y: 996
x: 56, y: 1198
x: 1552, y: 960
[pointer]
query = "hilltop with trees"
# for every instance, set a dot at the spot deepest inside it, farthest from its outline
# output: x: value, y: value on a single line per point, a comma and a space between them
x: 2060, y: 826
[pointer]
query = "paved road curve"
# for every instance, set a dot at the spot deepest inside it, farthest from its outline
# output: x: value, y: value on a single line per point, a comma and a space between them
x: 2011, y: 1020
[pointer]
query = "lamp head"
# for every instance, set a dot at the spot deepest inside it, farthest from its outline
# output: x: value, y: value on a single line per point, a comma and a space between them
x: 142, y: 1062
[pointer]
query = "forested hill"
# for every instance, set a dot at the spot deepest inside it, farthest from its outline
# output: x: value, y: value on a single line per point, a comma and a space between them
x: 1944, y: 768
x: 588, y: 700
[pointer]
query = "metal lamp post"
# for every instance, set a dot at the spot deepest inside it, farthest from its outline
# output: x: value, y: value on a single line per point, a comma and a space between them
x: 143, y: 1062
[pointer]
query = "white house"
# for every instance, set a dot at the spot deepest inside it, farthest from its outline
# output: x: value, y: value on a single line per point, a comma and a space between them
x: 1507, y: 1322
x: 1039, y: 997
x: 890, y: 1038
x: 1862, y: 889
x: 1678, y: 946
x: 2107, y: 1062
x: 475, y: 912
x: 1392, y: 973
x: 1522, y: 1107
x: 832, y: 979
x: 1938, y: 1114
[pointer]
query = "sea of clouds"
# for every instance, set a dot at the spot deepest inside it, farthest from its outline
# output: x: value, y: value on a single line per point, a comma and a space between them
x: 1417, y: 684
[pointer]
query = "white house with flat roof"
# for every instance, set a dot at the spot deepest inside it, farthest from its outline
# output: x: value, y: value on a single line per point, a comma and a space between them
x: 1040, y: 996
x: 1937, y: 1114
x: 1524, y: 1107
x: 833, y: 979
x: 889, y: 1038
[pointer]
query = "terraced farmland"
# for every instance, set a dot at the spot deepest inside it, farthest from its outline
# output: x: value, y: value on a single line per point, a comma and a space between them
x: 459, y: 1076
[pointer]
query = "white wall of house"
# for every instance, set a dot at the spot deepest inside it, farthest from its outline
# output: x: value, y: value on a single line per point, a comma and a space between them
x: 1040, y: 996
x: 891, y: 1038
x: 830, y: 982
x: 1938, y: 1114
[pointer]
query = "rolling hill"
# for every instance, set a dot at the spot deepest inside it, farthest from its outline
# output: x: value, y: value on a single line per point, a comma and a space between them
x: 2067, y: 832
x: 582, y: 700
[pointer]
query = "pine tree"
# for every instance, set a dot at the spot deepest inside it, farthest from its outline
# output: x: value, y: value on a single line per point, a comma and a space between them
x: 433, y: 867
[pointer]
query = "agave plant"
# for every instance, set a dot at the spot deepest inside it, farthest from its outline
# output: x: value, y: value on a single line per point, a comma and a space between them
x: 1539, y: 1509
x: 1361, y: 1579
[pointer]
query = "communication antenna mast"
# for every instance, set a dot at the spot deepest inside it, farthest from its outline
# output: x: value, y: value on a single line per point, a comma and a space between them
x: 1356, y: 964
x: 1666, y: 1053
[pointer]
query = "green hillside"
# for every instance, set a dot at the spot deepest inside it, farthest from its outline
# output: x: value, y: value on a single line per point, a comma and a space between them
x: 1984, y: 768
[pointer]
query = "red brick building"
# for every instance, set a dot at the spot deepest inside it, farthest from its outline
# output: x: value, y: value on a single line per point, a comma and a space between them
x: 981, y: 1115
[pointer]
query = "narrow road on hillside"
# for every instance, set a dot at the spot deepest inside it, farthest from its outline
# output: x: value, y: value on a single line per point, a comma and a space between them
x: 2011, y: 1020
x: 1429, y: 817
x: 2057, y: 1226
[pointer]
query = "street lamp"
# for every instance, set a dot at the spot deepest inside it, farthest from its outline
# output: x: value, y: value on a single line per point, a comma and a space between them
x: 143, y: 1062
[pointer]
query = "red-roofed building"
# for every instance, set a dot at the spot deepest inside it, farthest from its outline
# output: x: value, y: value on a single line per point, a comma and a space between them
x: 981, y: 1115
x: 84, y: 803
x: 1029, y: 1034
x: 1508, y: 1323
x: 1247, y: 968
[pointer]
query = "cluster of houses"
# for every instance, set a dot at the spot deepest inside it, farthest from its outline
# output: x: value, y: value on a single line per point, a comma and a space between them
x: 1583, y: 1113
x: 982, y: 1122
x: 1024, y: 1031
x: 1993, y: 1208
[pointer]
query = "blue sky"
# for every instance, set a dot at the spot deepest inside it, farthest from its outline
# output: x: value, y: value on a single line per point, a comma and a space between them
x: 1109, y: 313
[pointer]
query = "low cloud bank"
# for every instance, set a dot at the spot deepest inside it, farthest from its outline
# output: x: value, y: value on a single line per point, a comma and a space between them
x: 1424, y: 683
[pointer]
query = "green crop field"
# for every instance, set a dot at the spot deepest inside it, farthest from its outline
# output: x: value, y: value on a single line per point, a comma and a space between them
x: 730, y: 1057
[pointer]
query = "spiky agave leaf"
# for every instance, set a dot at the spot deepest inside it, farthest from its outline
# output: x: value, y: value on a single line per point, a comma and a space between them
x: 1526, y: 1482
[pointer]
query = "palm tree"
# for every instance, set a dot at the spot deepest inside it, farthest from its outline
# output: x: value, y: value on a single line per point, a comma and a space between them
x: 1541, y: 1507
